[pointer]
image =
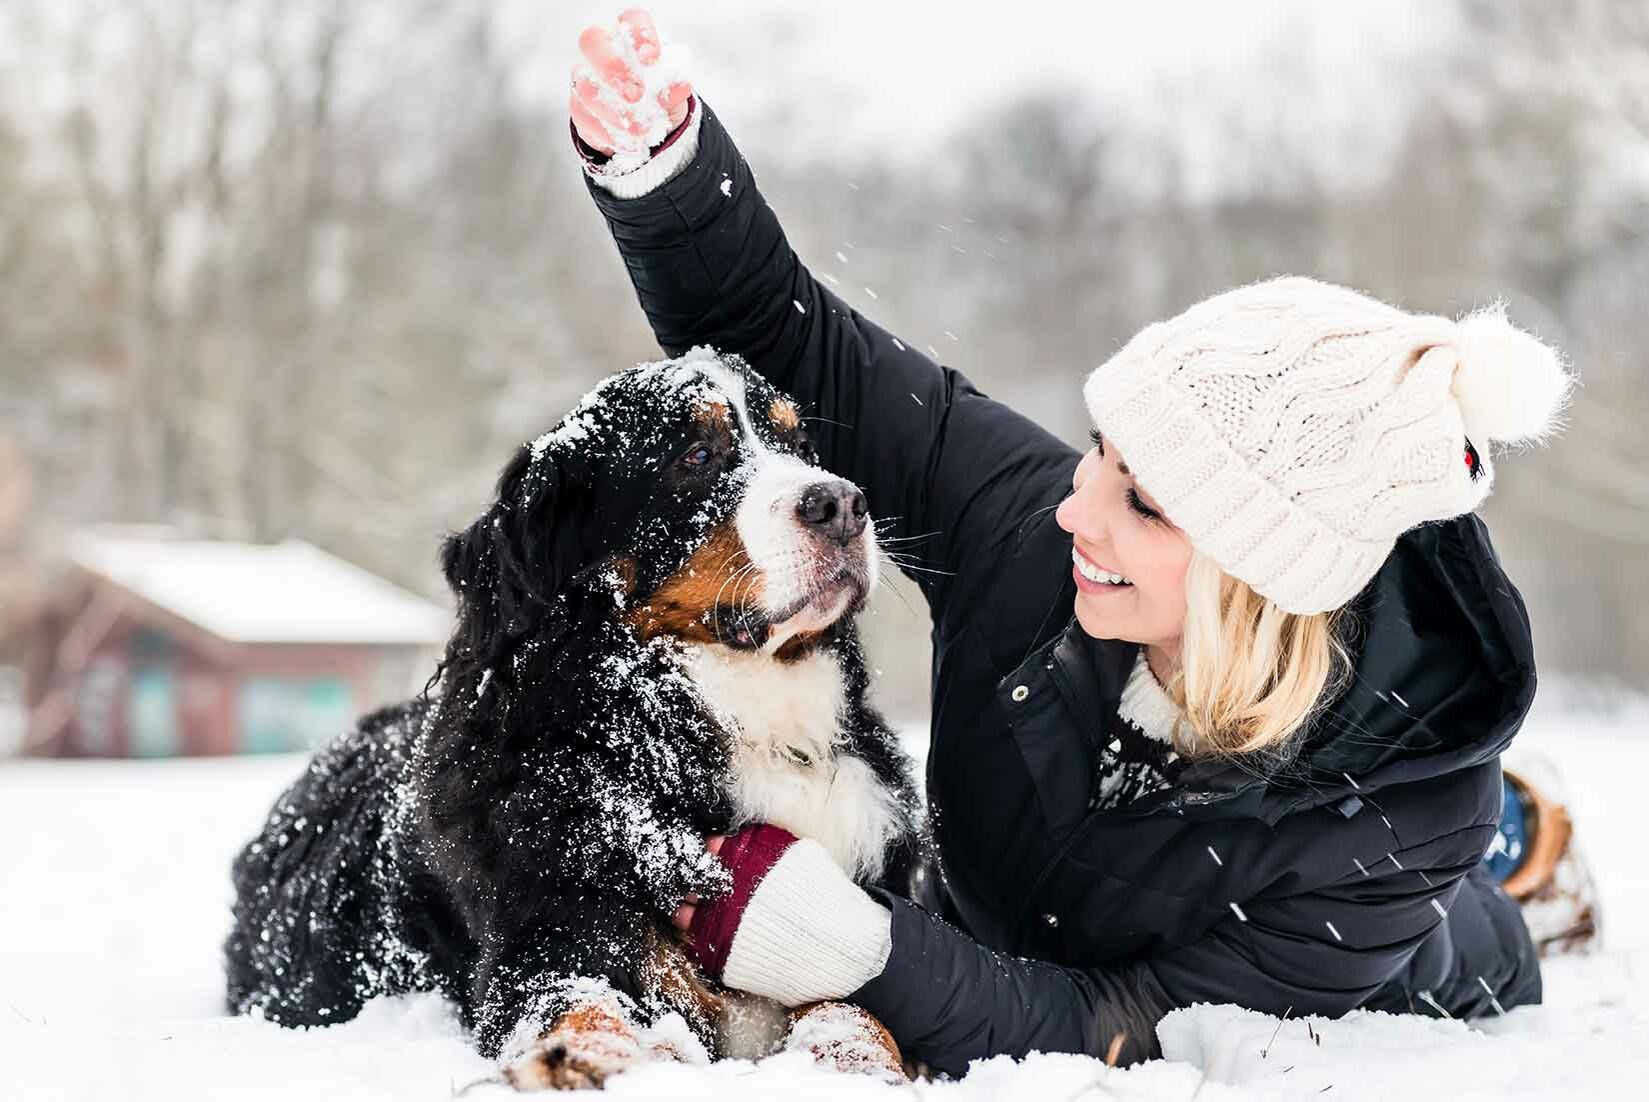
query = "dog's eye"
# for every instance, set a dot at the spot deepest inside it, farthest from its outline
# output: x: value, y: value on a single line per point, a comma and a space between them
x: 807, y: 453
x: 698, y: 455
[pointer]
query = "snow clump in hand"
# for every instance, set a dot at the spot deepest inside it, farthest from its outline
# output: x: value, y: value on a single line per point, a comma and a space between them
x: 657, y: 65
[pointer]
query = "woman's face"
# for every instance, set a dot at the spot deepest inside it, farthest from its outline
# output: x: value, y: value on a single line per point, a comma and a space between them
x: 1128, y: 560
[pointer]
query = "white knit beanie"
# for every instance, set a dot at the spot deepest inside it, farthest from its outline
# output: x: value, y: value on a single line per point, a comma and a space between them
x: 1294, y: 429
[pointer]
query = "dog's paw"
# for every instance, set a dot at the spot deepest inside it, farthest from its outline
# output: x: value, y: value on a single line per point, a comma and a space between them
x: 564, y: 1065
x: 585, y: 1048
x: 848, y: 1039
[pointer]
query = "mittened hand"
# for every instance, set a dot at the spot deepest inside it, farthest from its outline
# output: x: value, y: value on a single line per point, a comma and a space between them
x: 630, y: 90
x: 748, y: 855
x: 794, y: 928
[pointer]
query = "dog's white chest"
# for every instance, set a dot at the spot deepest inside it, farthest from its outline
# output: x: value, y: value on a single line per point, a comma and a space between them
x: 788, y: 768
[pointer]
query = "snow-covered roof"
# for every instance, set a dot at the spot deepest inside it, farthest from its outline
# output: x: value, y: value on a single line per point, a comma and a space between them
x: 291, y: 592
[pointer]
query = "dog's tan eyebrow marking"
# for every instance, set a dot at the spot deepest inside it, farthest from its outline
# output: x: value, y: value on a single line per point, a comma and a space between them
x: 784, y: 415
x: 713, y: 415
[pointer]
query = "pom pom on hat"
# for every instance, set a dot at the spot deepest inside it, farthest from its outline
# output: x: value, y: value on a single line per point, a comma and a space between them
x: 1510, y: 386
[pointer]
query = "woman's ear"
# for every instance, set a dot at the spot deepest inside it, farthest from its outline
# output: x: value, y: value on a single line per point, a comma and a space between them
x: 509, y: 565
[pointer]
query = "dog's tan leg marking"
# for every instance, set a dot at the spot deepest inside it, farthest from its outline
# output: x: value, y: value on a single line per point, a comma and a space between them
x: 586, y: 1045
x: 846, y: 1038
x: 682, y: 986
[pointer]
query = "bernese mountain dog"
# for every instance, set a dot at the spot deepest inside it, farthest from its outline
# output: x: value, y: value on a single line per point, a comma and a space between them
x: 655, y: 642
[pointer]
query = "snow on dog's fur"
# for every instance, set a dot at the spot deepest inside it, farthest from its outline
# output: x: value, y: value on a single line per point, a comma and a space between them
x: 655, y: 642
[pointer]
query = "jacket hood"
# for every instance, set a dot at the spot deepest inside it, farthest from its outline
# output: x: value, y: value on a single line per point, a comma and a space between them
x: 1442, y: 676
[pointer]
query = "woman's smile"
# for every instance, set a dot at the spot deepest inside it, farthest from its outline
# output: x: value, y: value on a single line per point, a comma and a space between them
x: 1094, y: 578
x: 1122, y: 544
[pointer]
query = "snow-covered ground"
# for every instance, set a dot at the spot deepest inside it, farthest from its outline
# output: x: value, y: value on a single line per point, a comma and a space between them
x: 113, y: 904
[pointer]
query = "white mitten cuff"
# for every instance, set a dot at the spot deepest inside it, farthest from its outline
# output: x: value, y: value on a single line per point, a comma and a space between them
x: 808, y: 932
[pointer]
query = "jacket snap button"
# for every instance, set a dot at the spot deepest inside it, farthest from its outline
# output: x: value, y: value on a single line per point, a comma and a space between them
x: 1020, y: 692
x: 1051, y: 920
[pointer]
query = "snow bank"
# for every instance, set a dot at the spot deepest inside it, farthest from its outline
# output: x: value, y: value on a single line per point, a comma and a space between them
x: 115, y: 903
x: 1535, y: 1052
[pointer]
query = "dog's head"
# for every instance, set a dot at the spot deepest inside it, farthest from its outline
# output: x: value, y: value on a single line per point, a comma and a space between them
x: 688, y: 490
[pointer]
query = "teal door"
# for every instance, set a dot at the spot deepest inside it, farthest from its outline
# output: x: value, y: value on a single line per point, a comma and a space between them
x: 151, y: 716
x: 325, y: 712
x: 280, y: 714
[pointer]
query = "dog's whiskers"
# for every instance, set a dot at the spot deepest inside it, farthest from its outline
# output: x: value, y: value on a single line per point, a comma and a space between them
x: 898, y: 591
x: 885, y: 541
x: 905, y: 562
x: 1033, y: 515
x: 733, y: 580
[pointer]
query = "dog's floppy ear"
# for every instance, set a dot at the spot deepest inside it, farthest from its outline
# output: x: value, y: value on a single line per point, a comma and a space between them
x: 507, y: 567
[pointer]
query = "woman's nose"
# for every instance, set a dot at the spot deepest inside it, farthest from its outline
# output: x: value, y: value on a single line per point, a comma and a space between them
x: 1062, y: 515
x: 1076, y: 515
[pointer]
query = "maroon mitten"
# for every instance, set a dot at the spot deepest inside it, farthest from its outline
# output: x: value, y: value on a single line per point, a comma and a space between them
x: 748, y: 855
x: 795, y: 928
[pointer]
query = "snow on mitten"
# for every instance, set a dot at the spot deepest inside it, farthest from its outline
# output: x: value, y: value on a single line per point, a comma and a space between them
x: 794, y: 928
x: 630, y: 85
x: 632, y: 98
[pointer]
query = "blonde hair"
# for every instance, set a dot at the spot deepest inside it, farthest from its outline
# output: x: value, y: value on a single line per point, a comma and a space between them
x: 1251, y: 675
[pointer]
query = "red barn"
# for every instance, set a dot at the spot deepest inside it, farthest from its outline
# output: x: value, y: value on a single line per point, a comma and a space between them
x: 155, y: 646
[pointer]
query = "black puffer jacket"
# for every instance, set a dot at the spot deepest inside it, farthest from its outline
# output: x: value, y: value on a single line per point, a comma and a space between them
x: 1351, y: 879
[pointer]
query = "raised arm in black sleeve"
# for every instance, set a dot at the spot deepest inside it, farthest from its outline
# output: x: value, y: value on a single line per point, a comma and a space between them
x: 711, y: 266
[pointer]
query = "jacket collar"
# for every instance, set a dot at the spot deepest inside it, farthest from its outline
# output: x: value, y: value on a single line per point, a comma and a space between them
x: 1090, y: 674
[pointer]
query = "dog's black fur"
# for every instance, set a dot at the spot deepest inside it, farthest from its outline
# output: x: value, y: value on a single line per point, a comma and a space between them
x: 534, y: 818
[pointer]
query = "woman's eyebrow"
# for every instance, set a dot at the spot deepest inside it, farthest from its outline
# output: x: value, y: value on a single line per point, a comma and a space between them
x: 1123, y: 467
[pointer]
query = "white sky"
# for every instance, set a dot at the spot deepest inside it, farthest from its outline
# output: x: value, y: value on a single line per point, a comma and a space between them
x: 895, y: 75
x: 856, y: 80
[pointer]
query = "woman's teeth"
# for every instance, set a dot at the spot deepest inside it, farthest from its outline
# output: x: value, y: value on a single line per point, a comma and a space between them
x: 1095, y: 574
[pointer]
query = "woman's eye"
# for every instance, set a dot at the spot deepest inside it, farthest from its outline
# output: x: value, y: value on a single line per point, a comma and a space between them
x: 1098, y: 441
x: 1138, y: 505
x: 698, y: 456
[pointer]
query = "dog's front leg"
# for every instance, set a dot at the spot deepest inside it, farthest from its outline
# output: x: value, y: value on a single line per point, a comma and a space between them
x: 847, y: 1038
x: 584, y: 1047
x: 598, y: 1034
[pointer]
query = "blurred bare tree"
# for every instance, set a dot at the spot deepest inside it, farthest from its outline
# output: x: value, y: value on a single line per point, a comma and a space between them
x: 287, y: 268
x: 312, y: 267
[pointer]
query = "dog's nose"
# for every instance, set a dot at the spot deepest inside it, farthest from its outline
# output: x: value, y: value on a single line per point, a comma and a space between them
x: 836, y: 510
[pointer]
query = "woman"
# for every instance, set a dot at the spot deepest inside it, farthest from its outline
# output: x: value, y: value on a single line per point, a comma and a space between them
x: 1217, y: 705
